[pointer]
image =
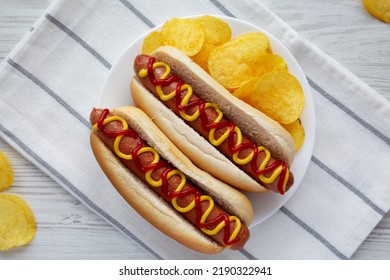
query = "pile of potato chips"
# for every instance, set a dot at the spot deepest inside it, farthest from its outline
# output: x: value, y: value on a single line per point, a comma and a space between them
x: 17, y: 222
x: 244, y: 65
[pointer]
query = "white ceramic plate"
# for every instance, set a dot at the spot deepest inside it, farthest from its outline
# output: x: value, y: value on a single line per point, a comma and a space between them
x: 115, y: 92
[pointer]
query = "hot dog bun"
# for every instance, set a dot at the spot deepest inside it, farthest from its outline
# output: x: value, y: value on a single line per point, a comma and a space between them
x: 149, y: 204
x: 257, y: 126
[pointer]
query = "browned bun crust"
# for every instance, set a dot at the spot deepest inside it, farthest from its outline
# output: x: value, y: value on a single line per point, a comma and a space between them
x: 149, y: 204
x: 261, y: 129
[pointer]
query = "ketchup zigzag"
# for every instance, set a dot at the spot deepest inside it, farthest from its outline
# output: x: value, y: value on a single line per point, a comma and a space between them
x: 220, y: 222
x: 278, y: 168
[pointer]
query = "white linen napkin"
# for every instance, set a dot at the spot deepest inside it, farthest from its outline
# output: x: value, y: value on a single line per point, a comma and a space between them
x: 51, y: 81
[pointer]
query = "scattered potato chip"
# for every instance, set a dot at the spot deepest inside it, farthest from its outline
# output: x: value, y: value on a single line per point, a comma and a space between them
x: 17, y: 223
x: 6, y: 172
x: 278, y: 94
x: 297, y: 131
x: 233, y: 62
x: 151, y: 42
x: 186, y: 34
x: 378, y: 8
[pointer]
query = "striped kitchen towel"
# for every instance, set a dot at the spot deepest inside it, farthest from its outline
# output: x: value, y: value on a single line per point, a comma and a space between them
x: 52, y: 79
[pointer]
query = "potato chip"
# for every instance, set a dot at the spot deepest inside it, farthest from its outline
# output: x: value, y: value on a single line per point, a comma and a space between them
x: 17, y: 223
x: 186, y: 34
x: 233, y: 62
x: 297, y: 131
x: 378, y: 8
x: 6, y: 172
x: 151, y: 42
x: 270, y: 62
x: 201, y: 58
x: 278, y: 94
x: 216, y: 31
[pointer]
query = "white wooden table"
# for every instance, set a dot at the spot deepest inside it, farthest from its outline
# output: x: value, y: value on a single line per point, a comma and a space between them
x: 68, y: 230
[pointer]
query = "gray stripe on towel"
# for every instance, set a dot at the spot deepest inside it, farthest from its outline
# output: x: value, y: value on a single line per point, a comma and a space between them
x: 138, y: 13
x: 313, y: 232
x: 222, y: 8
x: 49, y: 91
x: 349, y: 112
x: 247, y: 254
x: 348, y: 185
x: 78, y: 40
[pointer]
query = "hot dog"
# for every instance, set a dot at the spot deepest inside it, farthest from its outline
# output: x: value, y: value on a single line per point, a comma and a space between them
x: 217, y: 131
x: 164, y: 186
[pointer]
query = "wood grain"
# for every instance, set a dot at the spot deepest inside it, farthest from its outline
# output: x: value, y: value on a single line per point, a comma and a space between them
x: 68, y: 230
